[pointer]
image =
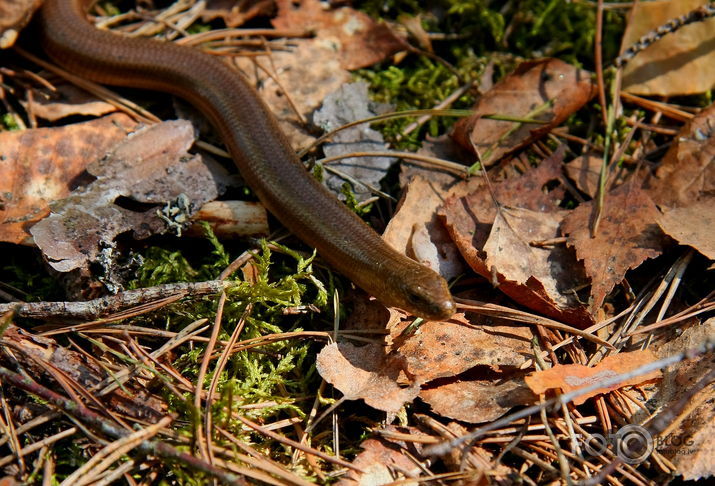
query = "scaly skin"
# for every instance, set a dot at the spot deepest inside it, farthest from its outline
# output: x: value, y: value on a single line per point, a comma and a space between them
x: 257, y: 145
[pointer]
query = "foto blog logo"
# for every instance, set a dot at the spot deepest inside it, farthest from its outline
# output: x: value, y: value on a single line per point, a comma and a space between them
x: 632, y: 443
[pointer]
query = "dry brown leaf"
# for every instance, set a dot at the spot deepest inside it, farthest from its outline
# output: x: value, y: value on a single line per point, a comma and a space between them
x: 680, y: 63
x: 693, y: 225
x: 574, y: 376
x: 541, y: 278
x: 628, y: 235
x: 446, y: 349
x: 359, y: 40
x: 67, y: 100
x: 152, y: 167
x: 308, y: 73
x: 548, y: 90
x: 585, y: 171
x: 476, y: 400
x: 689, y: 445
x: 688, y: 168
x: 416, y: 230
x: 43, y: 165
x: 382, y: 463
x: 366, y: 373
x: 14, y: 15
x: 236, y: 13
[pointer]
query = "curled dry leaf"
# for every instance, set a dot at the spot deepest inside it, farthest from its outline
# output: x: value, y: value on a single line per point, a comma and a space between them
x: 585, y: 171
x: 497, y: 244
x: 366, y: 373
x: 548, y: 90
x: 382, y: 463
x: 687, y: 169
x: 627, y: 235
x: 571, y: 377
x: 348, y: 104
x: 476, y: 400
x: 66, y: 100
x: 693, y: 225
x: 358, y: 39
x: 14, y: 15
x: 416, y: 230
x: 151, y: 167
x: 680, y: 63
x: 44, y: 164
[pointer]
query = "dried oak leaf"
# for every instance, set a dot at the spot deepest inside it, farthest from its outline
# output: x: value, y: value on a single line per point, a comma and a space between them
x: 679, y: 63
x: 14, y: 15
x: 348, y: 104
x: 574, y: 376
x: 541, y: 278
x: 476, y: 400
x: 627, y: 235
x: 366, y: 373
x: 693, y: 225
x: 416, y: 230
x: 66, y: 100
x: 447, y: 349
x: 688, y: 168
x: 151, y: 167
x: 548, y: 90
x: 44, y: 164
x: 381, y: 463
x: 359, y: 40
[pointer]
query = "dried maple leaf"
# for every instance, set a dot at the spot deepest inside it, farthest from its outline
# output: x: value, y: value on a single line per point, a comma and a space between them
x: 680, y: 63
x: 628, y: 235
x: 693, y: 225
x: 548, y: 90
x: 365, y: 373
x: 359, y: 40
x: 42, y: 165
x: 574, y: 376
x: 688, y: 168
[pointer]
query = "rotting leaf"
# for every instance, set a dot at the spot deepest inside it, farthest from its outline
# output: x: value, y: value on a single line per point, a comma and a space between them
x: 151, y: 167
x: 348, y: 104
x: 365, y: 373
x: 548, y: 90
x: 680, y: 63
x: 693, y: 225
x: 44, y: 164
x: 476, y: 400
x: 627, y: 235
x: 381, y: 463
x: 416, y: 230
x: 688, y: 168
x: 571, y: 377
x: 358, y: 39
